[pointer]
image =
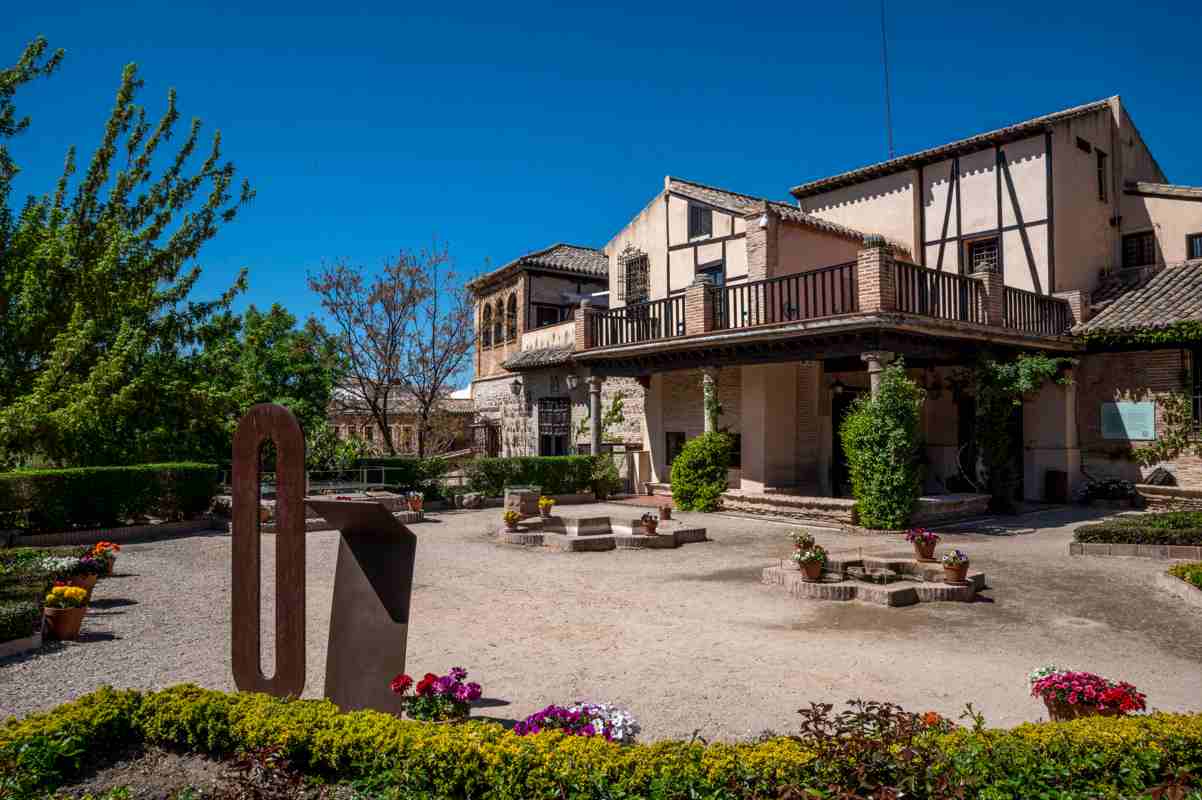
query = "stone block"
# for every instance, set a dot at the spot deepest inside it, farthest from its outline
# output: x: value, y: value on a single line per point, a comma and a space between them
x: 1096, y: 549
x: 1184, y: 551
x: 586, y: 526
x: 1124, y: 549
x: 826, y: 591
x: 893, y: 594
x: 689, y: 535
x: 1152, y: 550
x: 639, y: 542
x: 524, y: 538
x: 583, y: 544
x: 932, y: 592
x: 1076, y: 548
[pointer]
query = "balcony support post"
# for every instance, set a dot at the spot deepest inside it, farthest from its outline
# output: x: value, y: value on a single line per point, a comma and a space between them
x: 709, y: 394
x: 993, y: 289
x: 876, y: 278
x: 699, y: 306
x: 584, y: 327
x: 876, y: 360
x: 594, y: 413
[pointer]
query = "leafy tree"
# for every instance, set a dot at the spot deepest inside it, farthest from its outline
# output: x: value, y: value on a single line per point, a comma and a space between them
x: 97, y: 328
x: 881, y: 439
x: 406, y: 334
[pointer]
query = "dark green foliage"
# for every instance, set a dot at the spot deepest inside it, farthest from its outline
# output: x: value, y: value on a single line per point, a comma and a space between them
x: 23, y: 585
x: 880, y: 438
x: 1190, y: 572
x: 84, y: 497
x: 699, y: 471
x: 872, y: 750
x: 553, y: 474
x: 1170, y: 527
x: 1184, y: 333
x: 407, y: 474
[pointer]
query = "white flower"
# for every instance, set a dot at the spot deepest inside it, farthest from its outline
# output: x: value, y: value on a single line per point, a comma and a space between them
x: 1043, y: 672
x: 59, y: 564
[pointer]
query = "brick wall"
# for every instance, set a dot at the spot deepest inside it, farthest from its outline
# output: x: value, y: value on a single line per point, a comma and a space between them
x: 1134, y: 376
x: 489, y: 359
x: 684, y: 408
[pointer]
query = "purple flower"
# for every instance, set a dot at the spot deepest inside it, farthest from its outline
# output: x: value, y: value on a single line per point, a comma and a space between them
x: 443, y: 684
x: 462, y: 693
x: 473, y: 692
x: 458, y: 673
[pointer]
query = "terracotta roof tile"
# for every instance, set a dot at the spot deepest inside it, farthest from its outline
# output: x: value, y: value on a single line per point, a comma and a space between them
x: 1147, y: 298
x: 570, y: 258
x: 536, y: 359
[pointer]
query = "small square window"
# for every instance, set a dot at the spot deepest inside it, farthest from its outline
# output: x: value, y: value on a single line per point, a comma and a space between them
x: 1139, y: 249
x: 1193, y: 246
x: 983, y: 255
x: 701, y: 221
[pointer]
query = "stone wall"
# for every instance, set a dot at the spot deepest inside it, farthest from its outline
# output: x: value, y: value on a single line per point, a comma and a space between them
x: 1133, y: 376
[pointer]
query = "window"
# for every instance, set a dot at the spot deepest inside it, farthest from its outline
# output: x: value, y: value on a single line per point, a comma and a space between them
x: 1101, y: 175
x: 633, y: 275
x: 717, y: 275
x: 498, y: 325
x: 701, y: 221
x: 511, y: 318
x: 1084, y: 145
x: 1193, y: 245
x: 736, y: 451
x: 369, y: 433
x: 486, y: 326
x: 1139, y: 249
x: 983, y: 255
x: 548, y: 315
x: 554, y: 425
x: 554, y: 381
x: 674, y: 443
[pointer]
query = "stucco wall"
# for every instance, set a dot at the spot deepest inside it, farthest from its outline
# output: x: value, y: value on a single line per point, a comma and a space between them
x: 561, y: 335
x: 882, y: 205
x: 1171, y: 218
x: 801, y: 249
x: 648, y: 232
x: 1085, y: 241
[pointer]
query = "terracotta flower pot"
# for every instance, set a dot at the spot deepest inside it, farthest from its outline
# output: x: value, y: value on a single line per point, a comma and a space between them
x: 1062, y: 712
x: 108, y: 567
x: 812, y: 570
x: 64, y: 623
x: 545, y: 513
x: 957, y: 574
x: 650, y: 527
x: 85, y: 582
x: 665, y: 512
x: 924, y: 551
x: 511, y: 526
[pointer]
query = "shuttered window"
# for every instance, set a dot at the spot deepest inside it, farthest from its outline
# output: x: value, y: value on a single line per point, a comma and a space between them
x: 701, y: 221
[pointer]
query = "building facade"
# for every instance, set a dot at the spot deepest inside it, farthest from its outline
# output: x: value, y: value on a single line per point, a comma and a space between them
x: 1060, y: 235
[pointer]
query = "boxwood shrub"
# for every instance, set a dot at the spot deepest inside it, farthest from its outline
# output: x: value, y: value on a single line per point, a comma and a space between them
x: 387, y: 756
x: 87, y: 497
x: 1169, y: 527
x: 554, y: 474
x: 699, y: 471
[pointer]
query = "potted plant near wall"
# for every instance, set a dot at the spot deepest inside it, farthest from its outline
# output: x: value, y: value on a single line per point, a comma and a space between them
x: 802, y: 540
x: 665, y: 512
x: 955, y: 566
x: 1069, y: 694
x: 65, y: 607
x: 924, y: 542
x: 811, y: 561
x: 414, y: 501
x: 545, y: 504
x: 511, y: 520
x: 650, y: 524
x: 87, y: 572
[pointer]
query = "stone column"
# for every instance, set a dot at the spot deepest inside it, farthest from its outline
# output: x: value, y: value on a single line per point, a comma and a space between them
x: 876, y: 360
x: 709, y: 397
x: 594, y: 411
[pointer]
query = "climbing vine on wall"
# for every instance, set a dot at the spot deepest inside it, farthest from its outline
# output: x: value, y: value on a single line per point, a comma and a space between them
x: 612, y: 417
x: 1184, y: 333
x: 1176, y: 432
x: 999, y: 388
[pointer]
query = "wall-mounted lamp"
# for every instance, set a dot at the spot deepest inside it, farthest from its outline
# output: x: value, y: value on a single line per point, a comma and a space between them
x: 573, y: 381
x: 516, y: 387
x: 837, y: 386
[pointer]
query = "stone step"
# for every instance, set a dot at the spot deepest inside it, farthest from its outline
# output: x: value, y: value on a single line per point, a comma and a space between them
x: 899, y: 593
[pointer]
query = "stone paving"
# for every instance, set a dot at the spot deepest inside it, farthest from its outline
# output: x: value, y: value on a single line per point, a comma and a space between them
x: 689, y: 639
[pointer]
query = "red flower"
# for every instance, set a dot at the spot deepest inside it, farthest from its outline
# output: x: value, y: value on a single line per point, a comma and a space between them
x: 401, y: 683
x: 423, y: 686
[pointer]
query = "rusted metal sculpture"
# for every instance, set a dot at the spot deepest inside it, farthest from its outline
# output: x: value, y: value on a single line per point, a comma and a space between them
x: 373, y: 579
x: 262, y: 422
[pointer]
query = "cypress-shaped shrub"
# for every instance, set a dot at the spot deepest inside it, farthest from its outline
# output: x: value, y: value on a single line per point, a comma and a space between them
x: 881, y: 441
x: 699, y: 471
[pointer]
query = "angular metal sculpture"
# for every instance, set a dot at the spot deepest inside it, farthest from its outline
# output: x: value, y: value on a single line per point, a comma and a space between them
x: 373, y: 579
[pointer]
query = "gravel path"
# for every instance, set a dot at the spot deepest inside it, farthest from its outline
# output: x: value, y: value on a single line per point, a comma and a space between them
x: 688, y: 639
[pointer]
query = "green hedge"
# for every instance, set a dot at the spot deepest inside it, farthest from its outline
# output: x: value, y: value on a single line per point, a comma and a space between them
x: 88, y: 497
x: 407, y: 474
x: 387, y: 756
x: 1169, y: 527
x: 554, y: 474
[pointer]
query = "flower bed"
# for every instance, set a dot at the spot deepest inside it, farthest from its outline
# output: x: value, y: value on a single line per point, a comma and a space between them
x: 26, y: 576
x: 1160, y: 528
x: 1190, y: 572
x: 387, y: 756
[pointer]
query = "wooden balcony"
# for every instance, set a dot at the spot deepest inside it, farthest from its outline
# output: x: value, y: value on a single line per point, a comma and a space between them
x: 848, y: 290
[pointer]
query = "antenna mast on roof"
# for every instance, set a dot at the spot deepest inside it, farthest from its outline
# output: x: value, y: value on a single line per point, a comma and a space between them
x: 885, y: 64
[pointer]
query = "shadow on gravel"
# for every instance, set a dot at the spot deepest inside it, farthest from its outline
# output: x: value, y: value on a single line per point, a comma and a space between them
x: 113, y: 602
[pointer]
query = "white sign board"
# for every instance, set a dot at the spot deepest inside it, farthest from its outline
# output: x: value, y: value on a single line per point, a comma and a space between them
x: 1131, y: 421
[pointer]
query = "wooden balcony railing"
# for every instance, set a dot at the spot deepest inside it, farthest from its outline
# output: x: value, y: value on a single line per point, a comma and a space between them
x: 943, y: 295
x: 1035, y: 313
x: 821, y: 292
x: 638, y: 322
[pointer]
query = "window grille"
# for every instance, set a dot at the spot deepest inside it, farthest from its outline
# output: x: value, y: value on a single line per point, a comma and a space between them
x: 983, y: 255
x: 498, y: 325
x: 634, y: 277
x: 701, y: 221
x: 486, y: 327
x: 1193, y: 246
x: 511, y: 318
x: 1139, y: 249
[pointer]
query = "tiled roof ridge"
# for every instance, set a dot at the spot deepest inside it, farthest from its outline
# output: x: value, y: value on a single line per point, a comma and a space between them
x: 1154, y: 297
x: 537, y: 257
x: 889, y: 166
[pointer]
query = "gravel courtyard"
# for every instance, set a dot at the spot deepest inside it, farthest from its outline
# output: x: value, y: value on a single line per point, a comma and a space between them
x: 688, y: 639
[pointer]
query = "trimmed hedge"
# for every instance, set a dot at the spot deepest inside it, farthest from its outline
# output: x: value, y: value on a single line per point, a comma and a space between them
x: 1168, y: 527
x: 1096, y: 757
x: 1190, y: 572
x: 554, y: 474
x: 88, y: 497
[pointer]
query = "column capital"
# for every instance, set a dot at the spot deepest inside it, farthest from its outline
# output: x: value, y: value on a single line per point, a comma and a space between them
x: 594, y: 382
x: 877, y: 359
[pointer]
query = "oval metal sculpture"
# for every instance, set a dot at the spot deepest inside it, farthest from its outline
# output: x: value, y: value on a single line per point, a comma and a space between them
x: 274, y: 422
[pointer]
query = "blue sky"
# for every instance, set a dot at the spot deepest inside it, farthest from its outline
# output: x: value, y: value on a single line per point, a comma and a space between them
x: 504, y: 127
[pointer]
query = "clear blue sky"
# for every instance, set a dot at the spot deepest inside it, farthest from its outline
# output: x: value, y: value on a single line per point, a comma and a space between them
x: 505, y: 127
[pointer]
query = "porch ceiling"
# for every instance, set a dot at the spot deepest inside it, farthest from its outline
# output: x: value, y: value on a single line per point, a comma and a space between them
x: 921, y: 340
